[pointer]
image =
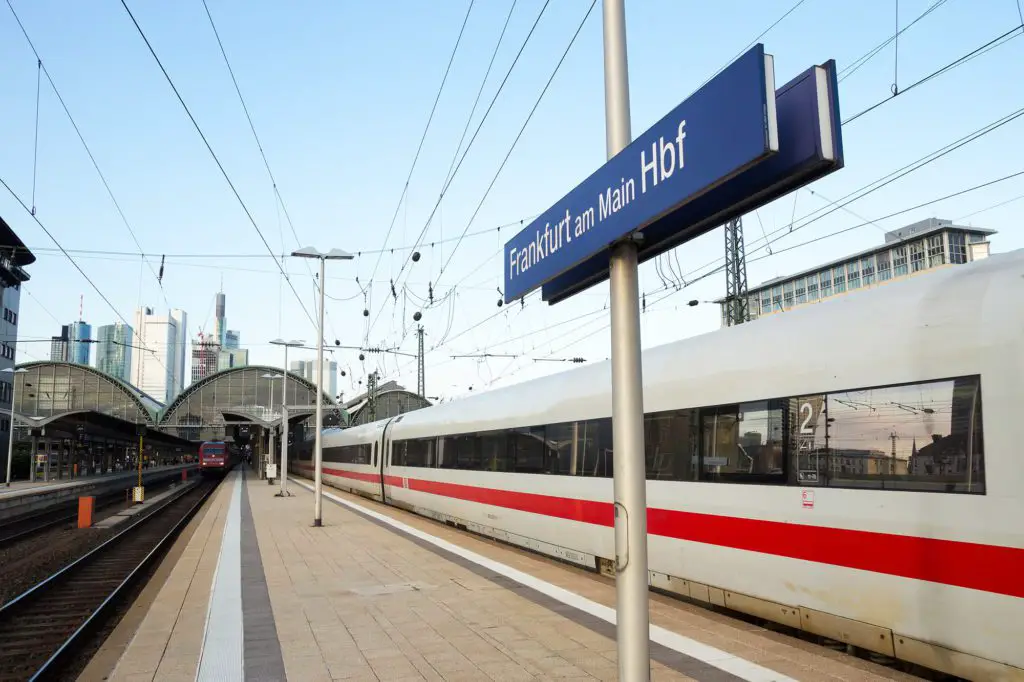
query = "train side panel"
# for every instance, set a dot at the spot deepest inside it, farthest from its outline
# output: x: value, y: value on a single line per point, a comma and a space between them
x: 912, y: 574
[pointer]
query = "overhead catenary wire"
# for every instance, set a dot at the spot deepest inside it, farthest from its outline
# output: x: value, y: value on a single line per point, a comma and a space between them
x: 216, y: 159
x: 423, y: 137
x: 60, y: 246
x: 480, y: 92
x: 856, y: 64
x: 236, y: 255
x: 959, y: 61
x: 519, y: 135
x: 762, y: 34
x: 469, y: 145
x: 278, y: 199
x: 88, y: 150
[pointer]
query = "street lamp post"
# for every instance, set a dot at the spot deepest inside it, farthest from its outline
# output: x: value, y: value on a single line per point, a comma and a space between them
x: 333, y: 254
x: 270, y: 444
x: 284, y: 415
x: 10, y: 443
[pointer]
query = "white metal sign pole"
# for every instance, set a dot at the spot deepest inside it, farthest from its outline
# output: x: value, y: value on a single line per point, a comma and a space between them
x: 632, y: 609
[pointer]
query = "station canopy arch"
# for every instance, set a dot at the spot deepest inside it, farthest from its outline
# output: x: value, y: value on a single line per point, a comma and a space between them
x: 210, y: 407
x: 391, y: 400
x: 48, y: 391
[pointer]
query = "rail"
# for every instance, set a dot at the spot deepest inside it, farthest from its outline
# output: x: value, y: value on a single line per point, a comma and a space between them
x: 34, y: 626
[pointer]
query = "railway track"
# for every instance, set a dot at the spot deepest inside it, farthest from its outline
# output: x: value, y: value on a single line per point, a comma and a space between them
x: 24, y: 527
x: 48, y: 626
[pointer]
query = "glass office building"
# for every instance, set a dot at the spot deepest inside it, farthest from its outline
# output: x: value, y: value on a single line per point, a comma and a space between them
x: 114, y: 350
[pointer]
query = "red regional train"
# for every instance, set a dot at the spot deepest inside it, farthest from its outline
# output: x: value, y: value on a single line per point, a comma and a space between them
x: 216, y: 458
x: 830, y: 467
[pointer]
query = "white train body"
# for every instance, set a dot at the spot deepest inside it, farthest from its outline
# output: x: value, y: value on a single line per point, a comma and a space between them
x: 919, y: 556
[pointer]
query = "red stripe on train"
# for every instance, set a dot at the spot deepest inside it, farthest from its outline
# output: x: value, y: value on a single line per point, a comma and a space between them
x: 989, y: 568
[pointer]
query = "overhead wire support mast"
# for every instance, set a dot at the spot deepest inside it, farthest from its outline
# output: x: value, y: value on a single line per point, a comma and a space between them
x: 421, y: 376
x: 736, y: 308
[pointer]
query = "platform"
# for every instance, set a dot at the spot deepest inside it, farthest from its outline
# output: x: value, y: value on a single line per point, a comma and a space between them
x: 24, y: 496
x: 380, y: 594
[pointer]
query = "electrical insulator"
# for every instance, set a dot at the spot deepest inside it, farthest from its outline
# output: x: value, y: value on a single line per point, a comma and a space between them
x: 362, y: 357
x: 417, y: 316
x: 366, y: 313
x: 415, y: 256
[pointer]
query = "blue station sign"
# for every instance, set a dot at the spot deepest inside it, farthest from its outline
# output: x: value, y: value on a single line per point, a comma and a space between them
x: 725, y: 128
x: 810, y: 147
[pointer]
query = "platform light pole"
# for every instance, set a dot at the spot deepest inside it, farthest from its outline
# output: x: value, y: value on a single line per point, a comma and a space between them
x: 270, y: 445
x: 333, y: 254
x: 10, y: 443
x: 284, y: 415
x: 630, y: 485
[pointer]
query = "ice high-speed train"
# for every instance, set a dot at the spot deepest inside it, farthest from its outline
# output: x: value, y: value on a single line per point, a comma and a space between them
x: 853, y: 468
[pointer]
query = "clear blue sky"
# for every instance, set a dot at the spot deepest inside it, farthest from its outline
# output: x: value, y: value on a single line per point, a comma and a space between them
x: 340, y: 94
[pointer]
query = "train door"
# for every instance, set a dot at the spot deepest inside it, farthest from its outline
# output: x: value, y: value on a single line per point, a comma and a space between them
x: 385, y: 460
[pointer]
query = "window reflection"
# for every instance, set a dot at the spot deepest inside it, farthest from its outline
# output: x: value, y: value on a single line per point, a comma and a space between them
x: 744, y: 439
x: 915, y: 437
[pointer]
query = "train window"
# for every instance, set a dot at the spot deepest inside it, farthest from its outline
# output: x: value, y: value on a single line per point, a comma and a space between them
x: 530, y: 450
x: 494, y: 451
x: 398, y: 453
x: 467, y: 451
x: 559, y: 441
x: 419, y: 452
x: 670, y: 440
x: 374, y: 462
x: 594, y: 447
x: 920, y: 437
x: 743, y: 442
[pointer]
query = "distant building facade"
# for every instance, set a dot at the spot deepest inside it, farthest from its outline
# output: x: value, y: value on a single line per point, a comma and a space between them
x: 79, y: 342
x: 307, y: 370
x: 158, y: 363
x: 205, y: 357
x: 59, y: 345
x: 114, y: 350
x: 14, y: 257
x: 232, y: 357
x: 916, y: 249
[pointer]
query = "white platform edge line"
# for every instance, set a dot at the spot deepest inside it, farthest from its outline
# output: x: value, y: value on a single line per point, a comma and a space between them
x: 225, y: 603
x: 702, y: 652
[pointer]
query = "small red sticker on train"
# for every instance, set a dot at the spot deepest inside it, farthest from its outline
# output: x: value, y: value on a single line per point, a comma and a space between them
x: 807, y: 498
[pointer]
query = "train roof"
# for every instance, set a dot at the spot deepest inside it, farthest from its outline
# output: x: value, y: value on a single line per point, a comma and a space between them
x: 926, y: 327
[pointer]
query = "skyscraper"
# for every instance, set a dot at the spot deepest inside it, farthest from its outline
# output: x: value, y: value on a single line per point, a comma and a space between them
x: 79, y: 342
x: 220, y: 321
x: 59, y: 345
x: 114, y: 350
x: 232, y: 339
x: 158, y: 363
x: 180, y: 351
x: 307, y: 370
x: 205, y: 355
